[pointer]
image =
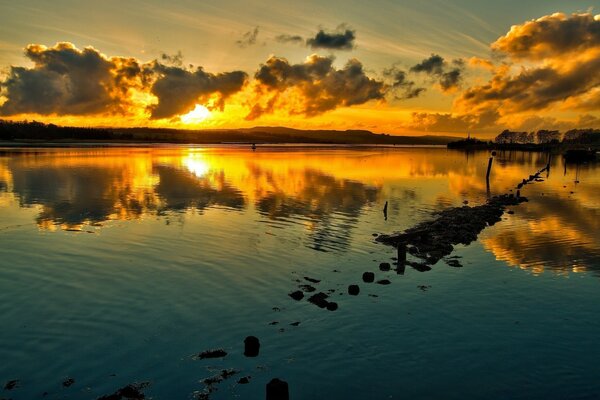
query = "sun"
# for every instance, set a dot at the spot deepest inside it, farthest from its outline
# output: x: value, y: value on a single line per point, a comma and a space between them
x: 197, y: 115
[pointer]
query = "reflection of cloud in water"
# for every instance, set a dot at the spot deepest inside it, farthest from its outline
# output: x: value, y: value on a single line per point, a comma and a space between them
x: 552, y: 232
x: 327, y: 206
x: 181, y: 189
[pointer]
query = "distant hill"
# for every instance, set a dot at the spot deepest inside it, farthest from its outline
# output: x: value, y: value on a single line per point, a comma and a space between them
x: 39, y: 132
x: 274, y: 135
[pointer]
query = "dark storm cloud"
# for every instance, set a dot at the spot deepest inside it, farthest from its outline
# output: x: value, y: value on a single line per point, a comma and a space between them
x: 179, y: 89
x: 448, y: 77
x: 401, y: 86
x: 248, y: 39
x: 66, y: 80
x: 295, y: 39
x: 317, y: 86
x: 342, y: 40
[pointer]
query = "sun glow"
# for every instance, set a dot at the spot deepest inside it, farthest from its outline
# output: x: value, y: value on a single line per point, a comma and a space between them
x: 197, y: 115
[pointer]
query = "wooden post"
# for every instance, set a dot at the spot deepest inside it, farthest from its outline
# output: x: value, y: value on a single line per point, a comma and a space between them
x: 277, y: 390
x: 401, y: 265
x: 385, y: 210
x: 489, y: 169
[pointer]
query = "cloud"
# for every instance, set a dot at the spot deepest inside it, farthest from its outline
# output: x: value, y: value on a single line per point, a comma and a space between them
x: 342, y: 39
x: 400, y: 85
x: 248, y: 39
x: 175, y: 59
x: 448, y: 77
x: 549, y: 77
x: 448, y: 122
x: 178, y: 89
x: 551, y: 36
x: 433, y: 65
x: 312, y: 87
x: 66, y: 80
x: 295, y: 39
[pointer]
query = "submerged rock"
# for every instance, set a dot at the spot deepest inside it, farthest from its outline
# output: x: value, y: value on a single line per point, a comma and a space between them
x: 432, y: 240
x: 131, y: 392
x: 307, y: 288
x: 312, y: 280
x: 251, y: 346
x: 353, y: 290
x: 68, y: 382
x: 319, y: 299
x: 368, y: 277
x: 216, y: 353
x: 10, y: 385
x: 297, y: 295
x: 384, y: 266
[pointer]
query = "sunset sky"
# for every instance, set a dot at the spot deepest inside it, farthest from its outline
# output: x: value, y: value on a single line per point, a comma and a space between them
x: 388, y: 66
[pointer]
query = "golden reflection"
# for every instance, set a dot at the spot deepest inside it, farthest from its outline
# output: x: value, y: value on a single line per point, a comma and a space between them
x: 80, y: 189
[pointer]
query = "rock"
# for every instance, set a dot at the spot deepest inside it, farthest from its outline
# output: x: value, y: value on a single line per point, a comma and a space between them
x: 251, y: 346
x: 384, y: 282
x: 297, y: 295
x: 307, y: 288
x: 332, y: 306
x: 295, y: 323
x: 353, y: 290
x: 277, y: 390
x: 131, y: 392
x: 68, y: 382
x: 510, y: 212
x: 244, y: 380
x: 319, y: 299
x: 312, y: 280
x: 218, y: 353
x: 10, y: 385
x: 424, y: 287
x: 384, y: 266
x: 273, y: 322
x: 368, y: 277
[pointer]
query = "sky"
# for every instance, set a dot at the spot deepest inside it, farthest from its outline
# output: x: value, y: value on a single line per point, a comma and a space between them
x: 399, y: 67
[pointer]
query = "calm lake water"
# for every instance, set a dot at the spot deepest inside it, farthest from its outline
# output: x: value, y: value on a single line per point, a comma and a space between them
x: 118, y: 265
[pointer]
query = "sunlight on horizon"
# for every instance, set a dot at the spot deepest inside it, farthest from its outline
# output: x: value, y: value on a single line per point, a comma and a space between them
x: 199, y: 114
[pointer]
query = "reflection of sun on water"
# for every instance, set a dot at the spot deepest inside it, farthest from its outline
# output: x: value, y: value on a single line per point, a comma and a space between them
x: 197, y: 115
x: 196, y: 164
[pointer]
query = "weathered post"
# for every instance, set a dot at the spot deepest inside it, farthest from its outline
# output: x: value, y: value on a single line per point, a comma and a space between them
x: 251, y: 346
x: 489, y: 169
x: 401, y: 258
x: 385, y: 210
x: 277, y: 390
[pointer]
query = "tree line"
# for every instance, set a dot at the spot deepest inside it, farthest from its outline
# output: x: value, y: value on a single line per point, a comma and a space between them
x: 549, y: 137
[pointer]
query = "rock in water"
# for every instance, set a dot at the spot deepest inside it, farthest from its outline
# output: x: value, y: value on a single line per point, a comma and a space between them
x: 353, y: 290
x: 251, y: 346
x: 385, y: 266
x: 297, y: 295
x: 368, y: 277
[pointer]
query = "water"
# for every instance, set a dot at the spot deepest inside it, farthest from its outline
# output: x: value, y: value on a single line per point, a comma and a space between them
x: 118, y: 265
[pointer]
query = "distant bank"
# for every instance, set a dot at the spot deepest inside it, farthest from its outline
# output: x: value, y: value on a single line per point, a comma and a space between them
x: 36, y: 132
